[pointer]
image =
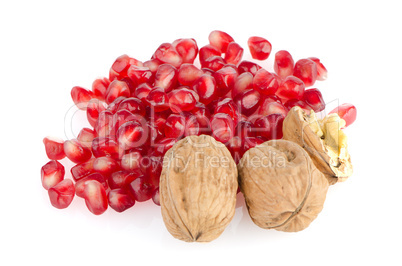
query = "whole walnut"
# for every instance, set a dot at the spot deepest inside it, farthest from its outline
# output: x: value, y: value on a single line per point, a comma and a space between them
x: 198, y: 188
x: 281, y: 185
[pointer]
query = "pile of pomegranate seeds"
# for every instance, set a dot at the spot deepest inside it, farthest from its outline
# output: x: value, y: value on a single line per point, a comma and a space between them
x: 143, y: 108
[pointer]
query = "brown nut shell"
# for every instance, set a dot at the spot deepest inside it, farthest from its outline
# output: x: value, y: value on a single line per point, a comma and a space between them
x: 296, y: 128
x: 198, y: 188
x: 282, y: 187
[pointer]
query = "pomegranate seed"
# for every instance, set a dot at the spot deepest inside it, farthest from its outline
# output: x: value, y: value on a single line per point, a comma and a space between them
x: 302, y: 104
x: 95, y: 197
x: 248, y: 101
x: 291, y: 88
x: 206, y: 88
x: 207, y: 71
x: 105, y: 166
x: 306, y: 70
x: 214, y: 63
x: 322, y: 73
x: 202, y: 114
x: 347, y: 112
x: 235, y: 146
x: 102, y: 146
x: 192, y: 126
x: 166, y: 77
x: 155, y: 197
x: 220, y: 40
x: 208, y: 51
x: 265, y: 82
x: 251, y: 142
x: 62, y: 194
x: 80, y: 185
x: 104, y: 124
x: 187, y: 49
x: 121, y: 117
x: 81, y: 97
x: 270, y: 126
x: 225, y: 79
x: 162, y: 146
x: 133, y: 105
x: 152, y: 64
x: 140, y: 75
x: 242, y: 83
x: 313, y: 98
x: 94, y: 108
x: 142, y: 91
x: 270, y: 106
x: 153, y: 169
x: 131, y: 135
x: 99, y: 87
x: 52, y: 173
x: 188, y: 73
x: 244, y: 129
x: 234, y: 53
x: 114, y: 106
x: 227, y: 106
x: 222, y: 127
x: 54, y: 148
x: 141, y: 190
x: 247, y: 66
x: 116, y: 89
x: 120, y: 67
x: 82, y: 170
x: 123, y: 178
x: 86, y: 136
x: 158, y: 99
x: 283, y: 64
x: 259, y: 47
x: 76, y: 152
x: 131, y: 161
x: 168, y: 55
x: 182, y: 100
x: 175, y: 126
x: 120, y: 200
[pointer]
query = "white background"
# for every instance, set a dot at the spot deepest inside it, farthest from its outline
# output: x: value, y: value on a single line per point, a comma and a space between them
x: 48, y: 47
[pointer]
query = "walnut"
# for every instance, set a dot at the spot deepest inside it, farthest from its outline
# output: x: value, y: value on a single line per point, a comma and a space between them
x: 198, y: 188
x: 282, y: 187
x: 323, y: 140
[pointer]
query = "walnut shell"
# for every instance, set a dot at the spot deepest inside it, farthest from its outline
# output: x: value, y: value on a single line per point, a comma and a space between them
x: 296, y: 128
x: 282, y: 187
x: 198, y: 188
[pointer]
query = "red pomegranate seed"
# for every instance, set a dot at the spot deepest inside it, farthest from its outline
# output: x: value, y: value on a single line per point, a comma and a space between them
x: 188, y: 74
x: 142, y: 91
x: 81, y: 97
x: 322, y: 73
x: 99, y: 87
x: 206, y: 88
x: 152, y: 64
x: 140, y: 75
x: 347, y: 112
x: 120, y: 200
x: 123, y: 116
x: 269, y: 106
x: 270, y: 126
x: 265, y: 82
x: 76, y: 152
x: 54, y: 148
x: 158, y: 99
x: 192, y: 126
x: 102, y: 146
x: 182, y: 100
x: 208, y: 51
x: 313, y: 98
x: 247, y: 66
x: 94, y: 108
x: 214, y: 63
x: 121, y: 65
x: 235, y: 146
x: 116, y: 89
x: 225, y: 79
x: 62, y: 194
x: 242, y: 83
x: 162, y: 146
x: 166, y: 77
x: 123, y: 178
x: 291, y: 88
x: 155, y: 197
x: 86, y: 136
x: 220, y: 40
x: 82, y: 170
x: 302, y: 104
x: 248, y: 101
x: 131, y: 135
x: 283, y: 64
x: 141, y: 189
x: 187, y: 49
x: 131, y: 161
x: 245, y: 129
x: 153, y: 169
x: 95, y: 197
x: 222, y: 127
x: 306, y: 70
x: 251, y: 142
x: 80, y: 184
x: 175, y: 126
x: 234, y: 53
x: 259, y: 47
x: 105, y: 166
x: 133, y: 105
x: 168, y: 55
x: 207, y: 71
x: 104, y: 124
x: 226, y: 106
x: 52, y: 173
x: 202, y: 114
x: 114, y: 106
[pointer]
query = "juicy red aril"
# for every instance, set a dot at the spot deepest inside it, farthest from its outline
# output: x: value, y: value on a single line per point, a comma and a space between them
x: 248, y: 101
x: 268, y: 106
x: 294, y: 102
x: 187, y: 49
x: 225, y: 79
x: 188, y: 73
x: 214, y: 63
x: 104, y: 125
x: 105, y: 166
x: 291, y: 88
x: 141, y: 189
x: 81, y: 97
x: 265, y: 82
x: 133, y: 105
x: 82, y: 170
x: 120, y: 200
x: 76, y: 152
x: 52, y: 173
x: 114, y: 106
x: 259, y: 47
x: 322, y: 73
x: 235, y: 146
x: 99, y: 87
x: 206, y: 89
x: 155, y: 197
x: 222, y: 127
x: 251, y: 142
x: 347, y: 112
x: 86, y: 136
x: 142, y: 91
x: 202, y: 114
x: 95, y: 197
x: 152, y: 64
x: 54, y: 148
x: 131, y: 161
x: 208, y: 51
x: 102, y: 146
x: 244, y: 129
x: 153, y: 170
x: 140, y: 75
x: 62, y: 194
x: 234, y: 53
x: 313, y: 98
x: 175, y: 126
x: 80, y: 184
x: 120, y: 66
x: 167, y: 54
x: 181, y: 100
x: 247, y: 66
x: 283, y: 64
x: 116, y: 89
x: 220, y: 40
x: 123, y: 116
x: 270, y: 126
x: 123, y: 178
x: 158, y: 99
x: 306, y: 70
x: 226, y: 106
x: 94, y: 108
x: 166, y: 77
x: 242, y: 83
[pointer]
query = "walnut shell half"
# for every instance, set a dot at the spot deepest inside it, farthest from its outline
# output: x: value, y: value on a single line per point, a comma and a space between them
x: 282, y: 187
x: 299, y: 128
x: 198, y: 188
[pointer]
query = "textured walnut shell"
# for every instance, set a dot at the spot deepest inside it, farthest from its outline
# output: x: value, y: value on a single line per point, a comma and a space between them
x: 296, y: 128
x: 198, y: 188
x: 282, y: 187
